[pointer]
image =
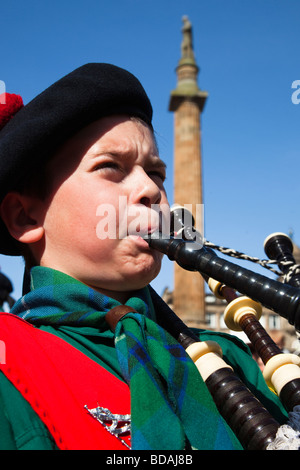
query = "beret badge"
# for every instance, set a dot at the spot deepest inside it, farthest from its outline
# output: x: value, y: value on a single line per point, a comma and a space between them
x: 10, y: 104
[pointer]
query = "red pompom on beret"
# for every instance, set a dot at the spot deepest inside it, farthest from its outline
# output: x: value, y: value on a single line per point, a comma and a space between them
x: 10, y: 104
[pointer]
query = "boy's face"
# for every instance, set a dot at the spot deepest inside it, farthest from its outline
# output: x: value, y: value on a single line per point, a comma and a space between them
x: 105, y: 180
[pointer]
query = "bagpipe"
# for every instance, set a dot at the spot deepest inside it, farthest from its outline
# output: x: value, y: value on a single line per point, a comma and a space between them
x: 253, y: 425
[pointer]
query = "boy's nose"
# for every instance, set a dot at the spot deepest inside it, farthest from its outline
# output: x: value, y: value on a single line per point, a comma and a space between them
x: 147, y: 192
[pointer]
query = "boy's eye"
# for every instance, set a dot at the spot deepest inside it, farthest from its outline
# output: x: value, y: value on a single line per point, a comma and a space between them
x: 107, y: 166
x: 109, y: 170
x: 157, y: 174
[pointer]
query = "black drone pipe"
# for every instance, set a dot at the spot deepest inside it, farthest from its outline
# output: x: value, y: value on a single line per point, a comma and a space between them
x: 279, y: 246
x: 281, y: 298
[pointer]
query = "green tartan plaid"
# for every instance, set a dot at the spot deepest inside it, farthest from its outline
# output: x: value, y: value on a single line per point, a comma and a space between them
x: 170, y: 405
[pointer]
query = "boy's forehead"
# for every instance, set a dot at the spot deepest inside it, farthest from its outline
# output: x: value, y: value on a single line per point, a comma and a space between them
x: 123, y: 133
x: 109, y: 124
x: 119, y: 134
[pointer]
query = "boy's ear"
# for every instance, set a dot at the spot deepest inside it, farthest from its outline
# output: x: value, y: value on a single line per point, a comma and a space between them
x: 21, y: 216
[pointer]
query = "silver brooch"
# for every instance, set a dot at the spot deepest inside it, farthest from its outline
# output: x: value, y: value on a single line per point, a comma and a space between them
x: 115, y: 424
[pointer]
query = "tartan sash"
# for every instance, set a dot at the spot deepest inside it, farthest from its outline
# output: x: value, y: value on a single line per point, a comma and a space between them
x: 171, y: 407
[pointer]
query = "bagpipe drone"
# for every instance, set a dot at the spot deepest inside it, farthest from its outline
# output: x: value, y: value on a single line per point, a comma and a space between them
x: 252, y: 423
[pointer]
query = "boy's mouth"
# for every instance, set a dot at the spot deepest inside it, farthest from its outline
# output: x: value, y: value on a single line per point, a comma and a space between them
x: 144, y: 233
x: 148, y: 223
x: 142, y: 222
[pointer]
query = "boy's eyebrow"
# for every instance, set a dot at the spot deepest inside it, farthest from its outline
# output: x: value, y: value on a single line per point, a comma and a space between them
x: 155, y: 159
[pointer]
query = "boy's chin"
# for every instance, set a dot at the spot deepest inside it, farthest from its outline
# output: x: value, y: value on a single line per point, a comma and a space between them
x: 139, y: 280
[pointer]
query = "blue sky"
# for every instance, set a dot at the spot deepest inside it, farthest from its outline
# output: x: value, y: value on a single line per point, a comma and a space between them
x: 248, y: 53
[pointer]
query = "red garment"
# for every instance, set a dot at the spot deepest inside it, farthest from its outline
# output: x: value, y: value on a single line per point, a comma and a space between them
x: 59, y: 381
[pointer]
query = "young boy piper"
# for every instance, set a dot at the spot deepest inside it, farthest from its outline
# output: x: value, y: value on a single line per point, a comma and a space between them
x: 68, y: 381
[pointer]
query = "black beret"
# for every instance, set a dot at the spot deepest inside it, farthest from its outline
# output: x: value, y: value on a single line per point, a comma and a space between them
x: 37, y: 130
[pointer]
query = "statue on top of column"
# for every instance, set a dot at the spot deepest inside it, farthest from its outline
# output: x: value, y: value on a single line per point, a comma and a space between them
x: 187, y: 51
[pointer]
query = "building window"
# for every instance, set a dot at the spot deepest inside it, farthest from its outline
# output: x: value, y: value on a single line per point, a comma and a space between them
x: 274, y: 322
x: 222, y: 323
x: 211, y: 320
